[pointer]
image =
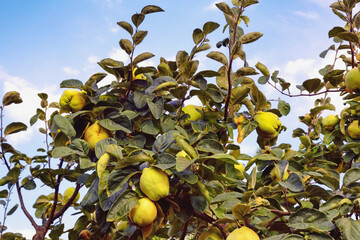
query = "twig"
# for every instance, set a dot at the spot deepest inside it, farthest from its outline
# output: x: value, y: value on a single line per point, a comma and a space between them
x: 209, y: 219
x: 184, y: 230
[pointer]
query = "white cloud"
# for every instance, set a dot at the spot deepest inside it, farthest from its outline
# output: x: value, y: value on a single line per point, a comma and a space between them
x: 309, y: 15
x: 24, y: 111
x: 114, y: 29
x: 93, y: 59
x: 70, y: 71
x: 119, y: 55
x: 212, y: 6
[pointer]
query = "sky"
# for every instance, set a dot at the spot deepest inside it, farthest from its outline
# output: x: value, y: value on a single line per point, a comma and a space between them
x: 44, y: 42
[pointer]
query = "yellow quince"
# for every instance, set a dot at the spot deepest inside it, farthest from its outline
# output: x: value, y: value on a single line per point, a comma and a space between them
x: 354, y: 130
x: 352, y: 80
x: 72, y: 100
x: 212, y: 233
x: 95, y: 133
x: 144, y: 213
x: 243, y: 233
x: 154, y: 183
x: 329, y: 122
x: 269, y: 125
x: 195, y: 113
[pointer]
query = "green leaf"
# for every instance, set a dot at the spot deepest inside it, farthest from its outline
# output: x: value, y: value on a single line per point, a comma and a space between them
x: 71, y: 83
x: 113, y: 126
x: 14, y: 128
x: 127, y: 26
x: 226, y: 196
x: 284, y: 107
x: 250, y: 37
x: 118, y: 180
x: 151, y: 9
x: 64, y: 125
x: 137, y: 19
x: 351, y: 175
x: 222, y: 157
x: 165, y: 161
x: 225, y: 8
x: 157, y: 107
x: 139, y: 37
x: 189, y: 68
x: 81, y: 145
x: 240, y: 211
x: 310, y: 219
x: 12, y: 210
x: 142, y: 57
x: 183, y: 163
x: 348, y: 36
x: 11, y: 97
x: 4, y: 193
x: 335, y: 31
x: 251, y: 181
x: 198, y: 202
x: 30, y: 185
x: 210, y: 145
x: 263, y: 69
x: 349, y: 228
x: 198, y: 35
x: 245, y: 71
x: 218, y: 56
x: 293, y: 183
x: 209, y: 27
x: 238, y: 94
x: 60, y: 152
x: 122, y: 206
x: 311, y: 85
x: 163, y: 142
x: 148, y: 127
x: 126, y: 45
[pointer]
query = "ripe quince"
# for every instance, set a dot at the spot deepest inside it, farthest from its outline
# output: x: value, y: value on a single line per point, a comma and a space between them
x: 144, y: 213
x: 354, y: 130
x: 352, y: 80
x: 329, y: 122
x: 72, y: 100
x: 154, y: 183
x: 68, y: 193
x: 213, y: 233
x: 138, y: 76
x: 269, y: 125
x: 195, y: 113
x: 243, y: 233
x: 95, y: 133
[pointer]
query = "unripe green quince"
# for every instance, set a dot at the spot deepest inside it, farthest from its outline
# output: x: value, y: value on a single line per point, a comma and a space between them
x: 352, y: 80
x: 213, y: 233
x: 154, y: 183
x: 329, y: 122
x: 354, y: 130
x: 144, y: 213
x: 95, y: 133
x: 68, y: 193
x: 72, y: 100
x: 269, y: 124
x: 243, y: 233
x: 194, y: 113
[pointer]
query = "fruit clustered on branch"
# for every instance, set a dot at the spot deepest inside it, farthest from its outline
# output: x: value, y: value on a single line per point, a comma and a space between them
x: 159, y: 168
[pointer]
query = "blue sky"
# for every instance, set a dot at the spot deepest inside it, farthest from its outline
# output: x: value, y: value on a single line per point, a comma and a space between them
x: 44, y: 42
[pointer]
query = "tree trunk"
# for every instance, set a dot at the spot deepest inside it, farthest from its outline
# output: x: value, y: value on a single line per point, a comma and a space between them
x: 40, y: 234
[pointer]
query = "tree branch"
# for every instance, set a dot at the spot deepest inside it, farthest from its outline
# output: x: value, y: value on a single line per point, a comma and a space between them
x: 209, y: 219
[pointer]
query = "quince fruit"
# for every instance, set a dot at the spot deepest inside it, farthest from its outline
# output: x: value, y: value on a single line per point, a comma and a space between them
x: 68, y: 193
x: 144, y: 213
x: 195, y: 113
x: 269, y: 125
x: 85, y: 234
x: 213, y: 233
x: 72, y: 100
x: 95, y: 133
x: 154, y: 183
x: 352, y: 80
x: 138, y: 76
x: 329, y: 122
x: 243, y: 233
x: 354, y: 130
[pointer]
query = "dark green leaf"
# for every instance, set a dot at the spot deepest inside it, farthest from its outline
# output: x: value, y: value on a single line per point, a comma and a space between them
x: 137, y: 19
x: 126, y: 45
x: 142, y: 57
x: 349, y: 228
x: 12, y: 210
x: 351, y: 175
x: 284, y: 107
x: 60, y: 152
x: 312, y: 85
x: 126, y: 26
x: 198, y: 202
x: 14, y: 128
x: 198, y: 35
x: 113, y: 126
x: 65, y: 126
x: 11, y: 97
x: 210, y: 145
x: 71, y: 83
x: 163, y: 142
x: 348, y: 36
x: 157, y: 107
x: 122, y: 206
x: 225, y: 196
x: 293, y: 183
x: 151, y: 9
x: 209, y: 27
x: 311, y: 219
x: 139, y: 37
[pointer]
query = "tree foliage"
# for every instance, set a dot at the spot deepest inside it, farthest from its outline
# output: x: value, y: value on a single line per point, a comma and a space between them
x: 136, y: 123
